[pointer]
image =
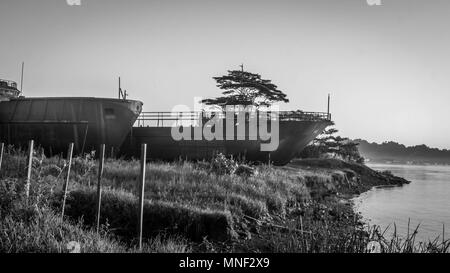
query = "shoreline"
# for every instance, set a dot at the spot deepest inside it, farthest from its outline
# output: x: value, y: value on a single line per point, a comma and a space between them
x: 387, y: 180
x: 348, y: 181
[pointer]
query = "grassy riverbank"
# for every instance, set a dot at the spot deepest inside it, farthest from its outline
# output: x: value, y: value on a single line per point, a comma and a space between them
x: 191, y: 207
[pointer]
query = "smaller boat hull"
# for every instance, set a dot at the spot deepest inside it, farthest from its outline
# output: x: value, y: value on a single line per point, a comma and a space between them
x: 55, y: 122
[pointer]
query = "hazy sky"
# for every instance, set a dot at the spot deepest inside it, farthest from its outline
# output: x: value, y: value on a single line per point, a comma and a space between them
x: 387, y: 67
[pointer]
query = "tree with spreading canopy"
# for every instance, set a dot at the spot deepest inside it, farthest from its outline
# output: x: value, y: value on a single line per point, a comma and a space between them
x: 245, y: 88
x: 336, y: 146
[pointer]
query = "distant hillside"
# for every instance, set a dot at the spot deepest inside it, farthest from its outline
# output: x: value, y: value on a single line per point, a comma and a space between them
x: 399, y: 153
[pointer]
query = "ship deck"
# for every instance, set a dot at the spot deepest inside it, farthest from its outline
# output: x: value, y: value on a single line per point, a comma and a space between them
x: 193, y: 118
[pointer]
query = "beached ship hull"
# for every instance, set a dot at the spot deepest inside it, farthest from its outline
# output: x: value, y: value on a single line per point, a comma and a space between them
x: 55, y: 122
x: 294, y: 135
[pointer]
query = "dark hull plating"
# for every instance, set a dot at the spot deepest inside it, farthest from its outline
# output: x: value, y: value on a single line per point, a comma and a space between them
x: 55, y: 122
x: 294, y: 136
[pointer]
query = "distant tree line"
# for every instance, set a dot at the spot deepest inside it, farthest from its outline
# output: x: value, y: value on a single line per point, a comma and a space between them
x: 393, y: 151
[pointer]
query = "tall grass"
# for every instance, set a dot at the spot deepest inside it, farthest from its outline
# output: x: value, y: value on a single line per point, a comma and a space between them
x: 269, y: 191
x: 35, y: 224
x: 191, y: 207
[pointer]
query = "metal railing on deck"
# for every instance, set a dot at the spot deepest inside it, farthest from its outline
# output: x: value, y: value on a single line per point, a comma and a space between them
x: 193, y: 118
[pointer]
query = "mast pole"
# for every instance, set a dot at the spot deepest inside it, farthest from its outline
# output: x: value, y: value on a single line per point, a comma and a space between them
x: 21, y: 77
x: 120, y: 90
x: 328, y: 107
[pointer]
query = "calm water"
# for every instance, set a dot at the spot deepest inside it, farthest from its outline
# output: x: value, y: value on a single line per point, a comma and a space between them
x: 426, y: 201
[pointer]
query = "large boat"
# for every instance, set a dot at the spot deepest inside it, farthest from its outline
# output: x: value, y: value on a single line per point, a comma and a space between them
x: 296, y: 130
x: 54, y: 122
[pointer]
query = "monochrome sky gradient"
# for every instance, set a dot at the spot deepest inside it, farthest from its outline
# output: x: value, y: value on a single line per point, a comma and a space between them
x: 387, y: 67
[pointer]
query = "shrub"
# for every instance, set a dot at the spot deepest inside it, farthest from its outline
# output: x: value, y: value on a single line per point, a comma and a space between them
x: 221, y: 165
x: 9, y: 194
x: 82, y: 166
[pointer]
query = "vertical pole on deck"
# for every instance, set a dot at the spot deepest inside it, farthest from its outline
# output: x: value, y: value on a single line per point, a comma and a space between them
x: 141, y: 192
x: 2, y: 147
x: 99, y: 179
x: 21, y: 77
x: 119, y: 90
x: 66, y: 184
x: 328, y: 107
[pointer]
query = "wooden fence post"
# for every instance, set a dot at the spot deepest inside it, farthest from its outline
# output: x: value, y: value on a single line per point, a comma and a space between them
x: 66, y: 184
x: 99, y: 189
x: 2, y: 147
x: 29, y: 168
x: 141, y: 192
